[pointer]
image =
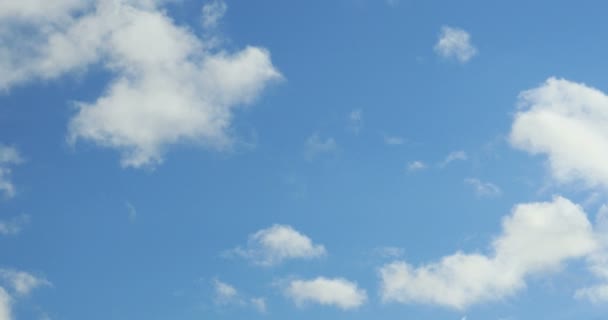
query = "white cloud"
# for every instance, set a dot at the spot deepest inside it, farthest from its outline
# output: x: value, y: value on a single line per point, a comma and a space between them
x: 224, y: 293
x: 170, y: 83
x: 132, y: 212
x: 416, y: 166
x: 22, y: 282
x: 259, y: 304
x: 455, y: 43
x: 536, y: 238
x: 271, y: 246
x: 483, y: 189
x: 336, y: 292
x: 315, y: 145
x: 227, y: 295
x: 454, y: 156
x: 393, y: 140
x: 595, y: 294
x: 567, y: 122
x: 5, y: 305
x: 8, y: 156
x: 213, y: 12
x: 14, y: 225
x: 389, y: 252
x: 598, y: 262
x: 355, y: 120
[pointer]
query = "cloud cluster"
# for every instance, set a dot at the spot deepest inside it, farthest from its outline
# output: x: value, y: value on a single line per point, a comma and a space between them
x: 536, y: 238
x: 169, y: 85
x: 273, y: 245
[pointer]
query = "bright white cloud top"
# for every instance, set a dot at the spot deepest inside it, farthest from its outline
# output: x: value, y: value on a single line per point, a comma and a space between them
x: 567, y: 122
x: 455, y: 43
x: 336, y: 292
x: 169, y: 87
x: 536, y: 238
x: 271, y: 246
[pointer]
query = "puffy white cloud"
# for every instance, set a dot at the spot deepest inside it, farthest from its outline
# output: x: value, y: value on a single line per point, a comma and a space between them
x: 336, y: 292
x: 455, y: 43
x: 5, y: 305
x: 14, y: 225
x: 416, y: 166
x: 536, y: 238
x: 22, y: 282
x: 567, y: 122
x: 315, y: 145
x: 271, y: 246
x: 454, y: 156
x: 170, y: 86
x: 213, y: 12
x: 483, y: 189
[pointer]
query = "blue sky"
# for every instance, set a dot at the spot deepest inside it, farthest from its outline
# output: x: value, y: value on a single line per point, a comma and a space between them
x: 347, y: 159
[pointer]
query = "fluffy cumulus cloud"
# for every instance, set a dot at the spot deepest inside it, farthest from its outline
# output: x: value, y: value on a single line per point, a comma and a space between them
x: 9, y: 156
x: 536, y: 238
x: 336, y: 292
x: 568, y: 123
x: 169, y: 85
x: 271, y: 246
x: 455, y: 43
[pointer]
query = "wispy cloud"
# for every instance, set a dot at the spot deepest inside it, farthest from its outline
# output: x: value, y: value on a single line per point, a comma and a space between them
x: 14, y: 225
x: 355, y: 121
x: 212, y: 13
x: 316, y: 146
x: 416, y: 166
x: 483, y: 189
x: 454, y: 156
x: 393, y: 140
x: 9, y: 156
x: 227, y: 295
